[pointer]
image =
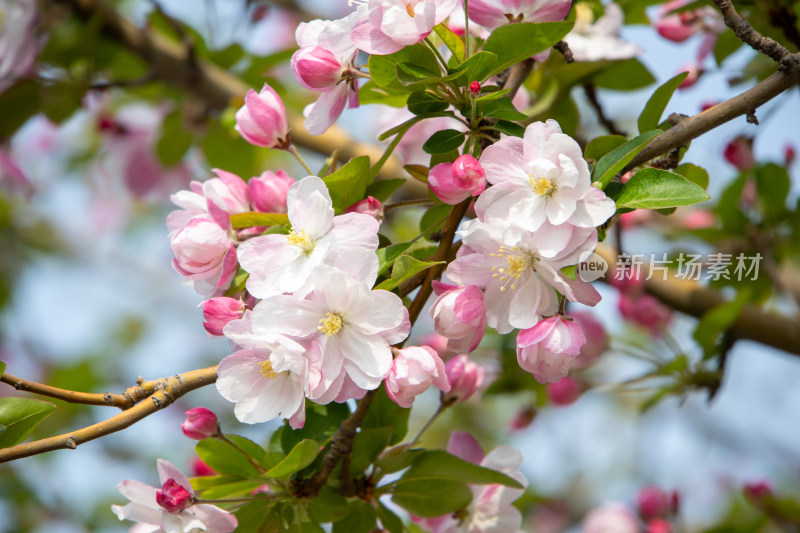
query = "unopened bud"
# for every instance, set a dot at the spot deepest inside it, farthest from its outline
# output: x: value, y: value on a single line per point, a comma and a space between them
x: 174, y: 497
x: 200, y: 423
x: 474, y: 88
x: 564, y: 391
x: 464, y: 376
x: 369, y: 206
x: 217, y: 312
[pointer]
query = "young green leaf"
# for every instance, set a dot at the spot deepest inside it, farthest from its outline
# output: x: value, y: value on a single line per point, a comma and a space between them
x: 477, y: 68
x: 349, y: 184
x: 388, y: 255
x: 444, y: 141
x: 404, y: 268
x: 627, y: 75
x: 651, y: 114
x: 370, y: 93
x: 20, y: 416
x: 431, y: 498
x: 327, y: 506
x: 652, y: 188
x: 361, y: 518
x: 300, y: 457
x: 254, y: 218
x: 381, y: 190
x: 422, y: 102
x: 2, y: 368
x: 600, y: 146
x: 693, y: 173
x: 438, y: 464
x: 613, y: 162
x: 509, y: 128
x: 389, y: 521
x: 514, y: 42
x: 502, y: 108
x: 384, y: 413
x: 383, y: 69
x: 451, y: 40
x: 225, y: 459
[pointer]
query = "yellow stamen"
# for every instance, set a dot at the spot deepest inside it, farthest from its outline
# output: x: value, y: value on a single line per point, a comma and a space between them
x: 584, y: 17
x: 301, y: 240
x: 331, y: 324
x: 541, y: 186
x: 267, y: 371
x: 518, y: 261
x: 410, y: 11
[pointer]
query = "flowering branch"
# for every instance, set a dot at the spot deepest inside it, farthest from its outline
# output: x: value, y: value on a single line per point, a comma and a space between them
x: 165, y: 391
x: 126, y: 400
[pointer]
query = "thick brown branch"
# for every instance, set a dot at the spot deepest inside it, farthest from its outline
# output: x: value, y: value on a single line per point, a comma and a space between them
x: 693, y: 299
x: 751, y: 37
x: 216, y: 87
x: 126, y: 400
x: 167, y: 390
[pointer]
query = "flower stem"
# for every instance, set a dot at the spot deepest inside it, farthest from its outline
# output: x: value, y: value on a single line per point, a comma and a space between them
x: 438, y: 55
x: 430, y: 421
x: 292, y: 150
x: 466, y: 30
x: 403, y: 203
x: 221, y: 436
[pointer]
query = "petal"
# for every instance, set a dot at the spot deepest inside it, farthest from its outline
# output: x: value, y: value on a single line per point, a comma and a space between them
x: 309, y: 206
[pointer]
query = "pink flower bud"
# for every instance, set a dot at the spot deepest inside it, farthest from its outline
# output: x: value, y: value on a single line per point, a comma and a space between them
x: 464, y: 376
x: 789, y: 154
x: 653, y: 502
x: 474, y: 88
x: 705, y: 106
x: 454, y: 182
x: 262, y: 119
x: 565, y: 391
x: 369, y: 206
x: 174, y: 497
x: 695, y: 71
x: 758, y: 491
x: 316, y: 68
x: 270, y: 191
x: 676, y: 27
x: 659, y: 525
x: 644, y: 310
x: 228, y: 192
x: 217, y: 312
x: 200, y: 468
x: 596, y: 338
x: 458, y: 314
x: 414, y: 369
x: 200, y: 423
x: 523, y: 418
x: 739, y: 153
x: 548, y: 349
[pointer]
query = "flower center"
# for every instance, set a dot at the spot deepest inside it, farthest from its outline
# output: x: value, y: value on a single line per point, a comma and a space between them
x: 541, y: 186
x: 267, y: 371
x: 518, y: 261
x: 301, y: 240
x: 331, y: 324
x: 410, y: 10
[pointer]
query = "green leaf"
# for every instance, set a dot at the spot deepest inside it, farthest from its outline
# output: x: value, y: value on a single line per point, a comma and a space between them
x: 300, y: 457
x: 613, y: 162
x: 360, y: 519
x: 174, y: 142
x: 409, y: 74
x: 61, y: 100
x: 653, y: 188
x: 716, y: 321
x: 434, y: 217
x: 381, y: 190
x: 509, y: 128
x: 502, y: 108
x: 224, y: 148
x: 2, y: 368
x: 404, y: 268
x: 388, y: 255
x: 20, y: 416
x: 254, y: 218
x: 385, y: 413
x: 260, y: 517
x: 370, y: 93
x: 625, y: 75
x: 18, y: 103
x: 383, y: 69
x: 651, y: 114
x: 232, y: 490
x: 225, y: 459
x: 600, y: 146
x: 438, y: 464
x: 513, y: 43
x: 239, y: 282
x: 431, y: 498
x: 397, y: 459
x: 478, y: 67
x: 727, y: 43
x: 328, y: 506
x: 422, y: 102
x: 322, y: 421
x: 389, y: 521
x: 367, y: 446
x: 492, y: 95
x: 349, y: 184
x: 452, y: 41
x: 444, y: 141
x: 772, y: 184
x: 693, y: 173
x: 418, y: 172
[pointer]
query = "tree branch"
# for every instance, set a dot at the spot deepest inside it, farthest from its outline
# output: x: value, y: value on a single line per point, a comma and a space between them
x: 166, y: 391
x: 217, y: 87
x: 608, y: 124
x: 126, y: 400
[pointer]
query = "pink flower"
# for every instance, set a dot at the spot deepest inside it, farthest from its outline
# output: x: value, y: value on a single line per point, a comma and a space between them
x: 464, y: 376
x: 317, y: 68
x: 610, y: 518
x: 699, y: 219
x: 176, y: 491
x: 173, y: 497
x: 757, y: 491
x: 269, y: 191
x: 200, y: 423
x: 596, y: 338
x: 645, y: 311
x: 789, y: 154
x: 658, y: 525
x: 565, y: 391
x: 677, y: 27
x: 454, y: 182
x: 219, y: 311
x: 654, y: 502
x: 200, y: 468
x: 414, y: 369
x: 17, y: 40
x: 593, y: 40
x: 204, y: 251
x: 390, y: 25
x: 227, y: 192
x: 548, y: 349
x: 369, y: 206
x: 493, y: 13
x: 262, y: 120
x: 459, y: 315
x: 739, y: 153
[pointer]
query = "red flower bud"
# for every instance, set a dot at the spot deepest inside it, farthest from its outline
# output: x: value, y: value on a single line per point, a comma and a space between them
x: 474, y: 88
x: 200, y: 423
x: 174, y: 497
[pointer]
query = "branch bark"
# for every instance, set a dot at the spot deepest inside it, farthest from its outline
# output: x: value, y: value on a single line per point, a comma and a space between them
x: 166, y: 391
x: 126, y: 400
x: 217, y: 87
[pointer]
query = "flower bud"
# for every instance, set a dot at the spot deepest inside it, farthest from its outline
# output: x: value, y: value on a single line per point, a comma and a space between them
x: 695, y: 71
x: 369, y: 206
x: 659, y: 525
x: 464, y: 376
x: 201, y: 469
x: 174, y: 497
x: 474, y: 88
x: 262, y: 119
x: 644, y: 310
x: 676, y: 27
x: 414, y: 369
x: 757, y: 491
x: 789, y: 154
x: 200, y: 423
x: 316, y: 68
x: 653, y: 502
x: 270, y: 191
x: 523, y: 418
x: 217, y: 312
x: 739, y: 153
x: 564, y: 391
x: 454, y: 182
x: 548, y: 349
x: 458, y: 314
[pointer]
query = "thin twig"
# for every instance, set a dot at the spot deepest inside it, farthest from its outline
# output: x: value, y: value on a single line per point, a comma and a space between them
x: 608, y: 124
